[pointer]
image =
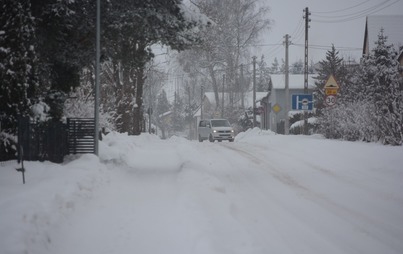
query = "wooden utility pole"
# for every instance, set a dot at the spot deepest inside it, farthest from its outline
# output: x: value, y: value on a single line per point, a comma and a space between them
x: 241, y: 88
x: 307, y: 20
x: 189, y: 112
x: 254, y: 92
x: 201, y: 102
x: 287, y: 90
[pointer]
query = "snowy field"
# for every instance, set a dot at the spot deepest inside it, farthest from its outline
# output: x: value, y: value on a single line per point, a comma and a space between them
x: 263, y: 193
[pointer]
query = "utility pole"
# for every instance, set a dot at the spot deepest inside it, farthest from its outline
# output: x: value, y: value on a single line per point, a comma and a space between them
x: 241, y: 87
x: 201, y: 102
x: 222, y: 99
x: 307, y: 20
x: 287, y: 90
x: 254, y: 92
x: 150, y: 110
x: 190, y: 113
x: 97, y: 74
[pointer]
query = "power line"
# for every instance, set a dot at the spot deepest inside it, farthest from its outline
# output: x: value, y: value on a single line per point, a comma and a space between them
x: 356, y: 15
x: 299, y: 31
x: 323, y: 47
x: 344, y: 9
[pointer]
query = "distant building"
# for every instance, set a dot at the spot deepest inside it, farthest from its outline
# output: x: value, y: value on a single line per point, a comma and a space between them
x: 275, y: 113
x: 270, y: 105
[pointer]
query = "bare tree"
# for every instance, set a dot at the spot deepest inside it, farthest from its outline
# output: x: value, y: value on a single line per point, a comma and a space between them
x: 236, y: 26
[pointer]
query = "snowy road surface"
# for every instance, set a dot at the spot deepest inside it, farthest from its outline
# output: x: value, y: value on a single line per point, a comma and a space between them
x: 261, y: 194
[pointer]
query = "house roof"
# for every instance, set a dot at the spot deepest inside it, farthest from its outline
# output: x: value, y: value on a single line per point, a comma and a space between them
x: 392, y: 25
x: 295, y: 81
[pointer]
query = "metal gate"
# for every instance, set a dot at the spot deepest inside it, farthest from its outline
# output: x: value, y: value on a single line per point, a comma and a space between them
x: 53, y: 140
x: 81, y: 135
x: 41, y: 141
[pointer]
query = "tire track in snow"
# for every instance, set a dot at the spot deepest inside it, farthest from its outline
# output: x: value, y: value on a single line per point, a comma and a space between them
x: 271, y: 219
x: 359, y: 220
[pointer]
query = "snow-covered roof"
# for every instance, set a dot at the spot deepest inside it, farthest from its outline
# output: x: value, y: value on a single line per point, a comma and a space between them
x: 295, y: 81
x: 392, y: 25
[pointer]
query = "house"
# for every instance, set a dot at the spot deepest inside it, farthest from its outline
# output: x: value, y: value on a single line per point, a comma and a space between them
x: 237, y: 101
x: 270, y: 105
x: 275, y: 103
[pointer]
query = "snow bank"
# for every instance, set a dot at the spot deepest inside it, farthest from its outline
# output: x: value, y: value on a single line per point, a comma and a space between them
x: 51, y: 193
x: 134, y: 152
x: 251, y: 134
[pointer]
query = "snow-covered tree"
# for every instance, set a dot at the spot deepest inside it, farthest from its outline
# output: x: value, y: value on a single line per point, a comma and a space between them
x: 275, y: 67
x: 178, y: 113
x: 236, y: 24
x: 163, y: 112
x: 332, y: 65
x: 370, y: 103
x: 81, y: 103
x: 297, y: 67
x: 263, y: 76
x: 131, y: 28
x: 380, y: 83
x: 65, y: 37
x: 352, y: 121
x: 18, y: 62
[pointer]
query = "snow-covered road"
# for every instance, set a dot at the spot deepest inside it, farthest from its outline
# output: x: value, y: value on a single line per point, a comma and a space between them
x: 241, y: 198
x: 263, y: 193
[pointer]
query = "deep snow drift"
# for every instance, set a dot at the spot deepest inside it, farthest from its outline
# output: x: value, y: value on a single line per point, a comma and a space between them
x: 264, y: 193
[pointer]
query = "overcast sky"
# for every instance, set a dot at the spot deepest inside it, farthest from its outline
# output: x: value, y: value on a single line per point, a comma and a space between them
x: 338, y: 22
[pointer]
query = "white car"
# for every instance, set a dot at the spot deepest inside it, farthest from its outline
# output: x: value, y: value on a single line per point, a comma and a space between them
x: 215, y: 129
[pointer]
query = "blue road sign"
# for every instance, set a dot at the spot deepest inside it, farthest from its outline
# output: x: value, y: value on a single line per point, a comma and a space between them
x: 302, y: 102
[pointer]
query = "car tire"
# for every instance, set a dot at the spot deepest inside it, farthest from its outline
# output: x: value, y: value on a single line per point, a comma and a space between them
x: 200, y: 139
x: 210, y: 138
x: 231, y: 140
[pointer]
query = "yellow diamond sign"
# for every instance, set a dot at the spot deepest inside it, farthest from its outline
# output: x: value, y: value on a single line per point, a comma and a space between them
x: 276, y: 108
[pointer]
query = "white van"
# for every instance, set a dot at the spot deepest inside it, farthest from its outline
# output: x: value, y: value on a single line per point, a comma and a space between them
x: 215, y: 129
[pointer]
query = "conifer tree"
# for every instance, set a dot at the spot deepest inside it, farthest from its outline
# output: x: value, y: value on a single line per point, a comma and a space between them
x: 381, y: 86
x: 178, y: 116
x: 18, y: 82
x: 66, y: 41
x: 264, y: 76
x: 275, y: 66
x: 163, y: 110
x: 332, y: 65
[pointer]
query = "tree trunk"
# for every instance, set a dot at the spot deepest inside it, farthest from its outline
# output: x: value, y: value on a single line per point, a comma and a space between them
x: 215, y: 87
x: 138, y: 110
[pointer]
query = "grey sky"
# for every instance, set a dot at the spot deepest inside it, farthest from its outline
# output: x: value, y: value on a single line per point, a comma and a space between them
x: 340, y: 22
